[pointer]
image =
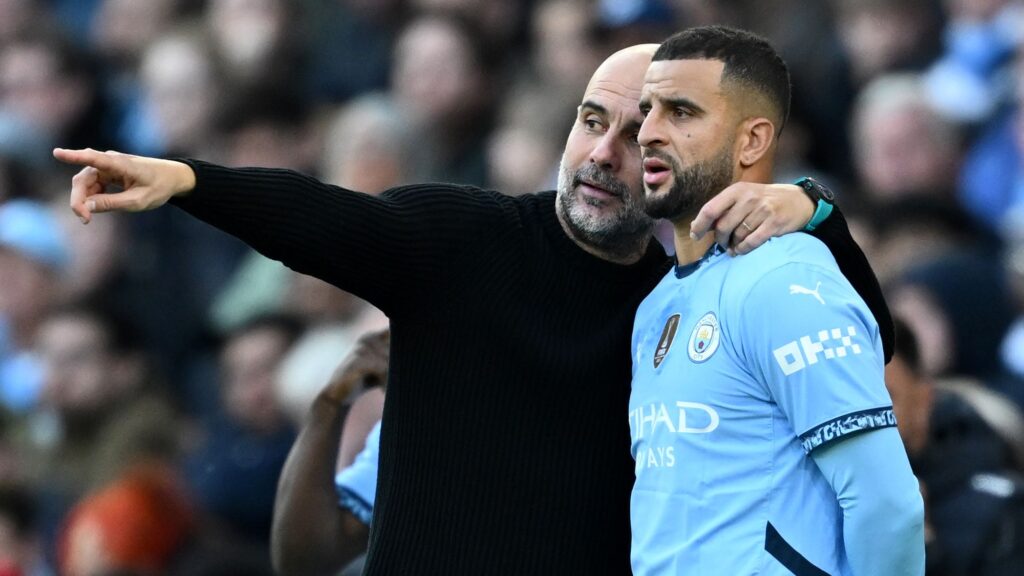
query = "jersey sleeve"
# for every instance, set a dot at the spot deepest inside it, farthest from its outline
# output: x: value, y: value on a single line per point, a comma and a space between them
x: 376, y: 247
x: 812, y: 342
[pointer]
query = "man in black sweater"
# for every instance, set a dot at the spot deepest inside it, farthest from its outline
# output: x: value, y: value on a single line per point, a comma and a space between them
x: 505, y: 443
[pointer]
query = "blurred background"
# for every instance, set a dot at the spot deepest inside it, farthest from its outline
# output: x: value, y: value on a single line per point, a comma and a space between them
x: 153, y: 371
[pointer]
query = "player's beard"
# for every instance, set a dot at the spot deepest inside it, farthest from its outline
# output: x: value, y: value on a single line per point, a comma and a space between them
x: 622, y: 233
x: 691, y: 187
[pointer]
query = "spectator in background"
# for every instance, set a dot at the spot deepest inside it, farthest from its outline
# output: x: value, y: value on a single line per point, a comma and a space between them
x: 442, y: 79
x: 102, y: 410
x: 566, y: 46
x: 234, y: 472
x: 137, y: 524
x: 122, y: 29
x: 49, y: 93
x: 980, y: 37
x: 901, y: 146
x: 367, y: 145
x: 882, y: 36
x: 522, y: 151
x: 964, y: 444
x: 336, y: 320
x: 268, y: 127
x: 907, y: 232
x: 256, y: 41
x: 806, y: 34
x: 499, y: 24
x: 992, y: 179
x: 183, y: 91
x: 959, y: 307
x: 33, y: 255
x: 97, y: 263
x: 121, y: 34
x: 183, y: 98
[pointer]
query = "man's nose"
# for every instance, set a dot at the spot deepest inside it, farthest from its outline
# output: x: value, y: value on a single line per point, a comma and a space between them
x: 606, y: 153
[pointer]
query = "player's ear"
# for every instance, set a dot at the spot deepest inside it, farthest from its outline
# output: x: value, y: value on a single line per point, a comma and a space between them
x: 755, y: 139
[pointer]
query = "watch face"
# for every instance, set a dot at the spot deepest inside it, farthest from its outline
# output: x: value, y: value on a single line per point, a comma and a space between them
x: 825, y: 192
x: 817, y: 189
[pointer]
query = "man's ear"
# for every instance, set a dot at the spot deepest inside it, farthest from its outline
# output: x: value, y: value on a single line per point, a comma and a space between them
x: 756, y: 137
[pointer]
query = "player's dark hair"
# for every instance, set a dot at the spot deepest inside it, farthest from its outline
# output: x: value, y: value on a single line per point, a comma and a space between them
x: 749, y: 60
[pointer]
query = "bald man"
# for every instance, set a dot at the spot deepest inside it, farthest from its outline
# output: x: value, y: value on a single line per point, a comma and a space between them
x: 504, y: 447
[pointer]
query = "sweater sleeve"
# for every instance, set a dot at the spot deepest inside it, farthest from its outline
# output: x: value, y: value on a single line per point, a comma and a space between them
x: 375, y: 247
x: 835, y: 233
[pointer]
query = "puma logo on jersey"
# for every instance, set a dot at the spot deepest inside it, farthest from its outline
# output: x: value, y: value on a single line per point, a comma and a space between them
x: 798, y: 289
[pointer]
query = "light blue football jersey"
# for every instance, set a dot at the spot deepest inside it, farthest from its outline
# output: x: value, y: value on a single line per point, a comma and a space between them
x: 742, y: 367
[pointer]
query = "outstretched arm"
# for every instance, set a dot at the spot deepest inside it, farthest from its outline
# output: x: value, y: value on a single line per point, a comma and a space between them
x: 375, y: 247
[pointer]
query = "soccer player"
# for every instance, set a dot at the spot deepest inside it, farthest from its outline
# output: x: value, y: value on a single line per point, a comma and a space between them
x: 763, y: 436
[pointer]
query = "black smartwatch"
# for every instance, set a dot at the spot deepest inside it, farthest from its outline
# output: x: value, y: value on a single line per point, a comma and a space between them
x: 823, y: 198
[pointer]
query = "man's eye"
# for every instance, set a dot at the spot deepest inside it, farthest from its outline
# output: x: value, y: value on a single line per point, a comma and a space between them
x: 592, y: 124
x: 681, y: 112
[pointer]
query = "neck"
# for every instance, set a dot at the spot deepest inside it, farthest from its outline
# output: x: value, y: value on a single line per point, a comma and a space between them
x: 689, y: 250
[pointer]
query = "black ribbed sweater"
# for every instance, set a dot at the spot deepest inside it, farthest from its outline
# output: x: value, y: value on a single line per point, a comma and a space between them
x: 505, y: 444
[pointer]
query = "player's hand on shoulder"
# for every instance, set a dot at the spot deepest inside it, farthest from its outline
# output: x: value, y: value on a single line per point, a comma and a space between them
x: 745, y: 215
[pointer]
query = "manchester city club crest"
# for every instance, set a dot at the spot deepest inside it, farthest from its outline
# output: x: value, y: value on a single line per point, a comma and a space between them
x: 704, y: 338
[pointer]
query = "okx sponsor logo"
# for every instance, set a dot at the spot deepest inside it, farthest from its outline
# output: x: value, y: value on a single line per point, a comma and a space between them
x: 809, y: 350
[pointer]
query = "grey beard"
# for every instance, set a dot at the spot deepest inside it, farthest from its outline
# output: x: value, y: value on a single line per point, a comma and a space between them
x: 620, y: 235
x: 691, y: 188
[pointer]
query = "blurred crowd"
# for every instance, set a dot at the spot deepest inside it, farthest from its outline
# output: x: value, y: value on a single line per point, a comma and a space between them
x: 153, y: 371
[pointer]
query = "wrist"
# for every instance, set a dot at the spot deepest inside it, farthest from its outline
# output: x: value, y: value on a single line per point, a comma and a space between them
x: 185, y: 179
x: 327, y: 407
x: 822, y: 198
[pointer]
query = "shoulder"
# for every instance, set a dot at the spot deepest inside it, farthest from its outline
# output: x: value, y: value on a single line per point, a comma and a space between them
x: 442, y: 206
x: 789, y: 249
x: 780, y: 261
x: 455, y: 194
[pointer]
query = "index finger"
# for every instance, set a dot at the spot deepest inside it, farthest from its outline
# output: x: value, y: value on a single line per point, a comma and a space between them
x: 710, y: 212
x: 86, y: 157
